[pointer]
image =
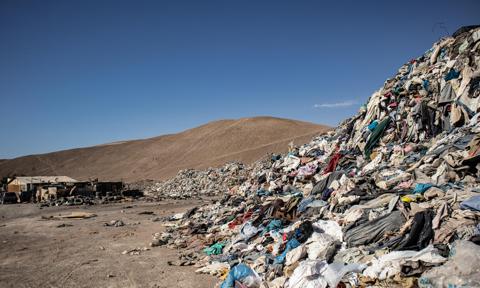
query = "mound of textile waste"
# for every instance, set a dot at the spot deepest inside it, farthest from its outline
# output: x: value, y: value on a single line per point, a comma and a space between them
x: 191, y: 183
x: 390, y: 198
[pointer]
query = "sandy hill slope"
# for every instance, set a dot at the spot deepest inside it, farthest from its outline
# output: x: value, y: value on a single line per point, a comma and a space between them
x: 209, y: 145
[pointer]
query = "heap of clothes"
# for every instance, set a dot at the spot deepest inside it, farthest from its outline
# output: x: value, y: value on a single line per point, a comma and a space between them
x: 192, y: 183
x: 390, y: 198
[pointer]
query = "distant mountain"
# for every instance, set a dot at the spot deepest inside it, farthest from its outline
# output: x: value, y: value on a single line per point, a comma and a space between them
x: 209, y: 145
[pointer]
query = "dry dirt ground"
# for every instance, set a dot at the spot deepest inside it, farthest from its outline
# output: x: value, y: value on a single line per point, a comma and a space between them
x: 40, y: 253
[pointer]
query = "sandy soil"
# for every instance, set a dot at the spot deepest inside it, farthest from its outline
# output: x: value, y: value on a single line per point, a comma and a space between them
x: 39, y: 253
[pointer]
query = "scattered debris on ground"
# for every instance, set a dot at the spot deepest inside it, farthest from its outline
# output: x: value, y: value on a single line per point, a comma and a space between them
x: 63, y: 225
x: 72, y: 215
x: 135, y: 251
x: 44, y: 255
x: 146, y: 213
x: 115, y: 223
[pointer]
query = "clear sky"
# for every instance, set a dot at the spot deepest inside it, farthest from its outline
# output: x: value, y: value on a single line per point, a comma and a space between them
x: 79, y: 73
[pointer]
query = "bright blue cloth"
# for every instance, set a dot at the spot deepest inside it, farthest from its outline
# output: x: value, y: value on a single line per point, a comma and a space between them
x: 373, y: 125
x: 420, y: 188
x: 291, y: 244
x: 238, y: 272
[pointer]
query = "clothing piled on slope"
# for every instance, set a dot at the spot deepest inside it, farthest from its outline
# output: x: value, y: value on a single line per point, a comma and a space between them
x: 194, y: 183
x: 390, y: 198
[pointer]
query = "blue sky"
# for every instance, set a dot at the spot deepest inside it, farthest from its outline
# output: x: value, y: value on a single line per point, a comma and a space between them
x: 80, y: 73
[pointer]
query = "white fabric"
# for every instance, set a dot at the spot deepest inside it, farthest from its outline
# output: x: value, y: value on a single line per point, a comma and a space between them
x: 388, y: 265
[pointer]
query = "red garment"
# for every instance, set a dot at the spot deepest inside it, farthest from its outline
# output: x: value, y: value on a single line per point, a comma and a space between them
x: 473, y: 152
x: 234, y: 223
x: 247, y: 215
x: 242, y: 218
x: 333, y: 163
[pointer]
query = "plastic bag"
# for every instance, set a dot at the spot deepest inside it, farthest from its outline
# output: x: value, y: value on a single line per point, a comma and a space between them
x: 244, y: 275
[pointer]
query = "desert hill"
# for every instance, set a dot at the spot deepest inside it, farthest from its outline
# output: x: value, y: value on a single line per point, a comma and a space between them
x: 209, y: 145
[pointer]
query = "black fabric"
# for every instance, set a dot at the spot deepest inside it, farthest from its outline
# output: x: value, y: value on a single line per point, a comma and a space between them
x: 324, y: 183
x: 262, y: 179
x: 358, y: 192
x: 362, y: 220
x: 421, y: 232
x: 373, y: 231
x: 304, y: 231
x: 474, y: 84
x: 190, y: 212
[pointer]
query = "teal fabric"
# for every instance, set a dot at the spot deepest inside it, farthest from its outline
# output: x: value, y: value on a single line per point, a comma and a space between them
x: 275, y: 224
x: 373, y: 125
x: 375, y: 136
x: 215, y: 249
x: 420, y: 188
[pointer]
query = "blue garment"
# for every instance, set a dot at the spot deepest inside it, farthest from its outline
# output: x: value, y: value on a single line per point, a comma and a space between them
x: 410, y: 68
x: 473, y: 203
x: 426, y: 84
x: 326, y: 194
x: 276, y: 157
x: 274, y: 225
x: 443, y: 52
x: 452, y: 74
x: 302, y: 206
x: 263, y: 192
x: 237, y: 273
x: 420, y: 188
x: 373, y: 125
x: 291, y: 244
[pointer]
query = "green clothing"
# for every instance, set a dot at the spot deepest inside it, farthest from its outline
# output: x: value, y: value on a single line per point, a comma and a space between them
x: 215, y: 249
x: 375, y: 136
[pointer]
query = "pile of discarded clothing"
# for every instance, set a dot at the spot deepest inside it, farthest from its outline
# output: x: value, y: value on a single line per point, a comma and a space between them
x: 191, y: 183
x: 389, y: 198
